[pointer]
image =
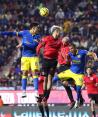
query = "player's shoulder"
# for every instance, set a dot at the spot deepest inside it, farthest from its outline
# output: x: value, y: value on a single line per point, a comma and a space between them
x: 46, y: 38
x: 95, y: 76
x: 25, y: 32
x: 85, y: 77
x: 82, y: 51
x: 70, y: 54
x: 37, y: 36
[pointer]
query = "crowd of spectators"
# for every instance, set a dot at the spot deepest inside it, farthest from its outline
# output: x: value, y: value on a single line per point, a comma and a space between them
x: 79, y: 19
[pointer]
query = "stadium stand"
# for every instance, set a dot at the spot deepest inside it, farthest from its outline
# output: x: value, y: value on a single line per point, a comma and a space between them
x: 79, y: 19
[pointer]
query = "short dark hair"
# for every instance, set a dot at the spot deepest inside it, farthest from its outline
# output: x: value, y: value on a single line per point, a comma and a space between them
x: 91, y: 67
x: 34, y: 24
x: 73, y: 45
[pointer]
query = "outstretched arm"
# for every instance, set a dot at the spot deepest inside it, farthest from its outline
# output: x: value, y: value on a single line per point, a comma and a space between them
x: 8, y: 33
x: 40, y: 45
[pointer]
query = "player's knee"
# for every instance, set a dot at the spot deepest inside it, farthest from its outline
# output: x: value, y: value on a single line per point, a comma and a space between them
x: 52, y: 71
x: 65, y: 83
x: 25, y: 73
x: 92, y: 101
x: 35, y: 74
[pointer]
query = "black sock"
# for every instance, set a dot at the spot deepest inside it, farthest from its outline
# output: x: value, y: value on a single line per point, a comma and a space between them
x: 41, y: 109
x: 69, y: 93
x: 47, y: 110
x: 94, y: 113
x: 45, y: 93
x: 48, y: 93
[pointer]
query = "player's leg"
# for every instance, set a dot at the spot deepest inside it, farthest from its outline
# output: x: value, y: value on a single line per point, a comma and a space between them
x: 92, y: 104
x: 45, y: 69
x: 52, y: 66
x: 65, y: 75
x: 93, y: 101
x: 81, y: 101
x: 40, y: 105
x: 62, y: 68
x: 25, y: 68
x: 79, y: 82
x: 69, y: 93
x: 46, y: 65
x: 35, y: 67
x: 46, y: 108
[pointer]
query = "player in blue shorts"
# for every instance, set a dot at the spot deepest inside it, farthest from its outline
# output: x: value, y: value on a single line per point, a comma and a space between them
x: 76, y: 71
x: 29, y: 59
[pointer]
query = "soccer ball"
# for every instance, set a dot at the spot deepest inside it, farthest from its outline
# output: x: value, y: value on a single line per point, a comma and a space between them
x: 44, y: 12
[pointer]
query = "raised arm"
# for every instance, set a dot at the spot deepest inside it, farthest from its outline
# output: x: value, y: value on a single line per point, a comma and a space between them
x: 40, y: 45
x: 9, y: 33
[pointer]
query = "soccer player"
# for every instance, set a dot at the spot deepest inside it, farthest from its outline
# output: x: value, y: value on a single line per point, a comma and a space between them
x: 76, y: 71
x: 91, y: 83
x: 42, y: 105
x: 29, y: 59
x: 51, y: 45
x: 64, y: 64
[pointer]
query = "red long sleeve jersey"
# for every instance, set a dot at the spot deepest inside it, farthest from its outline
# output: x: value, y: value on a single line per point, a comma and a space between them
x: 90, y: 82
x: 51, y: 47
x: 63, y: 55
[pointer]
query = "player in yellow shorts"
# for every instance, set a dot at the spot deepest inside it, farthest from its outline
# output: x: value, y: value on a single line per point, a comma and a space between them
x: 76, y: 71
x: 29, y: 60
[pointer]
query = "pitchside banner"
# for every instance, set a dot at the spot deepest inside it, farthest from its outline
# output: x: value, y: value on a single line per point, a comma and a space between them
x: 56, y: 97
x: 55, y: 111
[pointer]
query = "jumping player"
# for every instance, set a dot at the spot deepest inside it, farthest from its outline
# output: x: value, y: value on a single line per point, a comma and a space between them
x: 29, y: 59
x: 51, y: 44
x: 64, y: 64
x: 91, y: 83
x: 76, y: 71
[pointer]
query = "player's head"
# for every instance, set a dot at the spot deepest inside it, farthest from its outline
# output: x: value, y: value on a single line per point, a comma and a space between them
x: 55, y: 31
x: 34, y: 28
x: 73, y: 48
x: 65, y: 40
x: 89, y: 70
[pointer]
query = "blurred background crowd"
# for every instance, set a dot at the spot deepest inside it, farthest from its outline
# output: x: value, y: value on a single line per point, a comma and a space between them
x: 79, y: 19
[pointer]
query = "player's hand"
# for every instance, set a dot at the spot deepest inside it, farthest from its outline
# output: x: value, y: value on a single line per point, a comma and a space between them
x: 83, y: 87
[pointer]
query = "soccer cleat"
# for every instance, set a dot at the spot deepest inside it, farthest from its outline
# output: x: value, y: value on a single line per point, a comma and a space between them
x: 76, y: 104
x: 24, y: 94
x: 36, y: 94
x: 81, y: 102
x: 72, y: 104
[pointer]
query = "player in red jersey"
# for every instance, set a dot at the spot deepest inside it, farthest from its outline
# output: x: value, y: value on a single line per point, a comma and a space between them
x: 91, y: 82
x: 64, y: 64
x: 51, y: 44
x: 42, y: 105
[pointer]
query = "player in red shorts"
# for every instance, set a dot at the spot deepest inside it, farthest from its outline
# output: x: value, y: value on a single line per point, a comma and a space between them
x: 91, y: 82
x: 42, y: 105
x: 64, y: 64
x: 51, y: 45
